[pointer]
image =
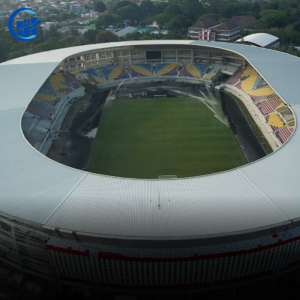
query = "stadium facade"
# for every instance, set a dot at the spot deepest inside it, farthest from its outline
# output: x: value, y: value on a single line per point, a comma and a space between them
x: 69, y: 224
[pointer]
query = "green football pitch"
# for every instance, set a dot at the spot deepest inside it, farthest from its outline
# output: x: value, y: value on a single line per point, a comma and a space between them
x: 146, y: 138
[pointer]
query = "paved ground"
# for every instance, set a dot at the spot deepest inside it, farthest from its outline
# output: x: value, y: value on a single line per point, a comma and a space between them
x: 250, y: 146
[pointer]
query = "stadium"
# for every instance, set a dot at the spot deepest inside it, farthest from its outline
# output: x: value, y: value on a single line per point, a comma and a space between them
x: 69, y: 220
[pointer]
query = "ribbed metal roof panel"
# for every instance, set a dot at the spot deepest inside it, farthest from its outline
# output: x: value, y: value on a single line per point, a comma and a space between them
x: 37, y: 189
x: 225, y: 202
x: 31, y: 186
x: 260, y: 39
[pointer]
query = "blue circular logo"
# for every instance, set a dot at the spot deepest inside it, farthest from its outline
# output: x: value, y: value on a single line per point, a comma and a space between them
x: 26, y: 30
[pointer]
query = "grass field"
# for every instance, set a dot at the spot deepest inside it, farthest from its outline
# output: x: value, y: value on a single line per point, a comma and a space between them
x: 145, y: 138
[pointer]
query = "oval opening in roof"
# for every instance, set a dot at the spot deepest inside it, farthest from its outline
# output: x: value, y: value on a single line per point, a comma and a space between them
x: 155, y: 117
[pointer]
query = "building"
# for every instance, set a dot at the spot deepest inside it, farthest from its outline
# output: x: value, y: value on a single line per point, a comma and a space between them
x: 203, y: 30
x: 243, y: 21
x: 227, y: 31
x: 263, y: 40
x: 71, y: 225
x: 47, y: 25
x: 77, y: 8
x: 211, y: 30
x: 125, y: 31
x: 5, y: 11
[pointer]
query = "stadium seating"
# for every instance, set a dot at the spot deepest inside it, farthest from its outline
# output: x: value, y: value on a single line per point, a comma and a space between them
x: 96, y: 75
x: 268, y: 106
x: 141, y: 70
x: 284, y: 134
x: 75, y: 85
x: 113, y: 73
x: 118, y: 73
x: 40, y: 110
x: 78, y: 73
x: 275, y: 102
x: 190, y: 71
x: 67, y: 78
x: 280, y: 105
x: 264, y: 107
x: 201, y: 68
x: 208, y: 77
x: 166, y: 69
x: 257, y: 82
x: 248, y: 83
x: 236, y: 78
x: 260, y: 94
x: 274, y: 121
x: 44, y: 97
x: 31, y: 141
x: 58, y: 85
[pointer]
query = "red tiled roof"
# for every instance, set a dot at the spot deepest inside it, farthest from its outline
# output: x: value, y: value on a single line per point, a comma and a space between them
x: 228, y: 25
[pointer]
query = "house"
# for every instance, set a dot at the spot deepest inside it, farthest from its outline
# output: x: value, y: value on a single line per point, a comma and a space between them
x: 243, y: 21
x: 211, y: 30
x: 4, y: 11
x: 47, y: 25
x: 202, y: 30
x: 227, y: 31
x: 77, y: 8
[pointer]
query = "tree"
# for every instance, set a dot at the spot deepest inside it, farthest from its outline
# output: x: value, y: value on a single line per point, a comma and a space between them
x: 74, y: 31
x: 39, y: 37
x: 172, y: 10
x: 172, y: 35
x: 160, y: 7
x: 67, y: 41
x: 51, y: 33
x: 106, y: 36
x: 133, y: 36
x: 160, y: 19
x: 63, y: 16
x: 109, y: 19
x: 90, y: 35
x: 193, y: 11
x: 129, y: 12
x: 15, y: 52
x: 120, y: 5
x: 206, y: 16
x: 99, y: 6
x: 147, y: 8
x: 274, y: 19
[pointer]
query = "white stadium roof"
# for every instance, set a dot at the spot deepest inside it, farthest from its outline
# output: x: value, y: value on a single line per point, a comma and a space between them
x: 260, y: 39
x: 38, y: 189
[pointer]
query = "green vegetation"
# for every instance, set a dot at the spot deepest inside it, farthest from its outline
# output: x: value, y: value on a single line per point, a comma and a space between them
x: 145, y: 138
x: 106, y: 37
x: 279, y: 17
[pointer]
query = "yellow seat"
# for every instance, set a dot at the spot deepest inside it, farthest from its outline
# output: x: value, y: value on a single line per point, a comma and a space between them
x: 275, y: 121
x: 115, y: 73
x: 166, y: 69
x: 248, y: 83
x: 44, y: 97
x: 140, y: 70
x: 193, y: 70
x: 58, y: 86
x: 280, y: 105
x: 262, y: 92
